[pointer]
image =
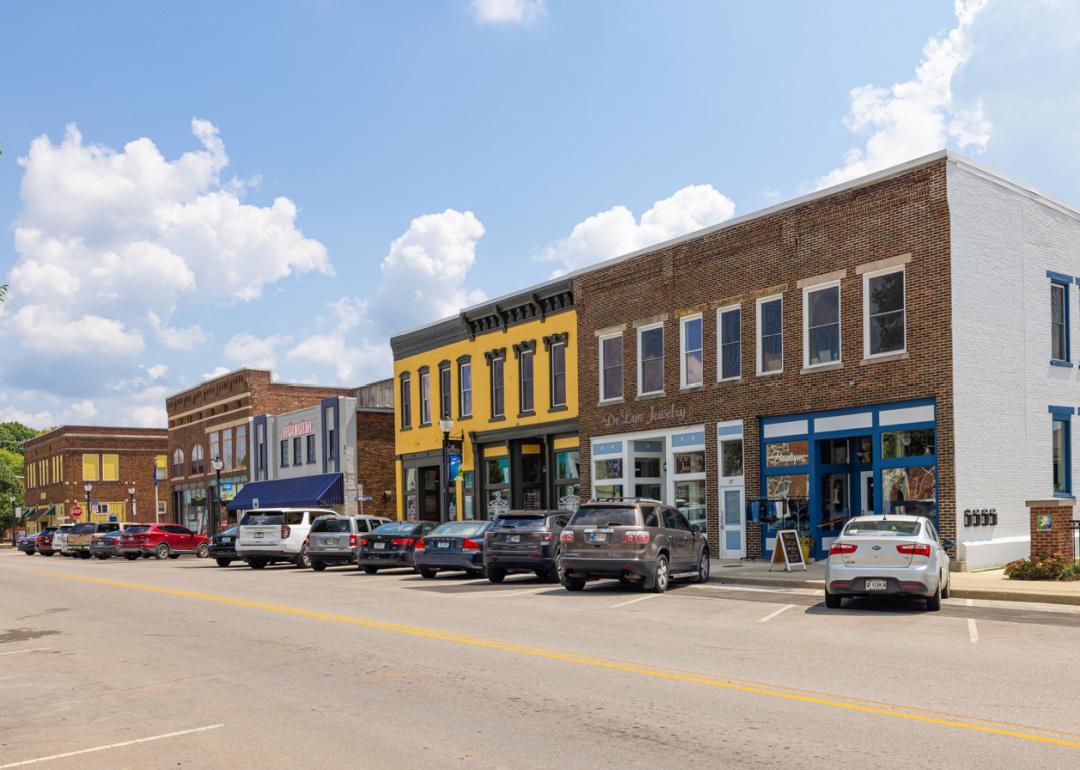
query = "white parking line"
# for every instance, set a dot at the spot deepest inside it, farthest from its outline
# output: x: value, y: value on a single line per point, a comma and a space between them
x: 492, y: 594
x: 973, y: 630
x: 772, y: 615
x: 32, y: 649
x: 759, y: 589
x: 634, y: 601
x: 111, y: 746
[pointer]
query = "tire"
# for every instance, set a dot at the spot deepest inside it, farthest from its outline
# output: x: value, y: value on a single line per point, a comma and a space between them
x: 174, y: 556
x: 161, y: 551
x: 46, y: 554
x: 223, y: 562
x: 203, y: 550
x: 318, y: 566
x: 303, y: 561
x: 933, y: 603
x: 370, y: 570
x: 703, y: 567
x: 555, y: 575
x: 131, y: 556
x: 662, y: 577
x: 29, y: 553
x: 833, y: 601
x: 573, y: 583
x: 947, y: 590
x: 102, y: 557
x: 496, y: 575
x: 256, y: 563
x: 426, y: 573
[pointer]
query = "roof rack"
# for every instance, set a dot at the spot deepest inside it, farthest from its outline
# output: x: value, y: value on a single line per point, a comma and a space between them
x: 624, y: 500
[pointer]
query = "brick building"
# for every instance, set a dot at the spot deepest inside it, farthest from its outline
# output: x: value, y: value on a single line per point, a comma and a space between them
x: 58, y: 465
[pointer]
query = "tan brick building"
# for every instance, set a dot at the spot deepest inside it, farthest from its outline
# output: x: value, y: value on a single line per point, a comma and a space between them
x: 59, y: 464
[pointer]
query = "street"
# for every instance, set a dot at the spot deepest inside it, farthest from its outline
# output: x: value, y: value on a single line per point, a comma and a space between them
x: 183, y: 664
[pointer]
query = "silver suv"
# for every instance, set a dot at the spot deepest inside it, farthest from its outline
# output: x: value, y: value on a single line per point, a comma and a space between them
x: 636, y: 541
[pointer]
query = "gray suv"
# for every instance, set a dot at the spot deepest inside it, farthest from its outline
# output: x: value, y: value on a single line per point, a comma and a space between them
x: 642, y: 542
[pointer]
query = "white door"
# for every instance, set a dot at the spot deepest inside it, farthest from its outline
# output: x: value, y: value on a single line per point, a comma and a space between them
x: 866, y: 493
x: 732, y: 531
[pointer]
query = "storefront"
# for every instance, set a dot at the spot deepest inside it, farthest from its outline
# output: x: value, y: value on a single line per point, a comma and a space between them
x: 820, y: 469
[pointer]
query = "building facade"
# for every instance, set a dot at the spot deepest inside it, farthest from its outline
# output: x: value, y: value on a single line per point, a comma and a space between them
x: 124, y: 468
x: 486, y: 409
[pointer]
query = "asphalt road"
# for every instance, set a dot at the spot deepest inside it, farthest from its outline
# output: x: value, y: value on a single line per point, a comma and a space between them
x: 182, y: 664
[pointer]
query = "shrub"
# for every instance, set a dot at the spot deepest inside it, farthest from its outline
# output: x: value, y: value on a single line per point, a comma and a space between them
x: 1038, y: 568
x: 1071, y: 571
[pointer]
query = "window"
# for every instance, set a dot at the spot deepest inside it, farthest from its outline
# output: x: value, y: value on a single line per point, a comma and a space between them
x: 731, y: 458
x: 693, y: 362
x: 650, y: 360
x: 1062, y: 455
x: 1059, y: 322
x: 821, y: 325
x: 729, y: 339
x: 525, y: 375
x: 90, y: 467
x: 907, y: 443
x: 227, y: 448
x: 284, y: 453
x: 215, y: 449
x: 464, y: 388
x: 110, y: 467
x: 311, y: 448
x: 498, y: 398
x: 567, y: 482
x: 770, y: 326
x: 297, y: 451
x: 883, y: 310
x: 425, y: 397
x: 609, y: 471
x: 261, y: 447
x: 406, y: 403
x: 497, y: 486
x: 444, y: 391
x: 178, y: 463
x: 241, y: 444
x: 558, y: 374
x: 611, y: 368
x: 198, y: 459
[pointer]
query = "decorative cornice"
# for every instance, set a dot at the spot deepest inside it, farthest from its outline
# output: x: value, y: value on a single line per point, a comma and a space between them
x: 555, y: 339
x: 491, y: 355
x: 522, y: 347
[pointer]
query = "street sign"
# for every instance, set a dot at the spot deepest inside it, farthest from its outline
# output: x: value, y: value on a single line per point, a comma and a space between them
x: 366, y: 498
x: 112, y: 517
x: 254, y: 502
x: 76, y: 511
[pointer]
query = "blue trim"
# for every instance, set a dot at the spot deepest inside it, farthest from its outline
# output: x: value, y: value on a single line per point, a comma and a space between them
x: 1064, y: 281
x: 729, y: 430
x: 648, y: 446
x: 1060, y: 277
x: 1055, y: 362
x: 1065, y: 495
x: 1064, y: 412
x: 1063, y: 415
x: 696, y: 438
x: 607, y: 448
x: 335, y: 405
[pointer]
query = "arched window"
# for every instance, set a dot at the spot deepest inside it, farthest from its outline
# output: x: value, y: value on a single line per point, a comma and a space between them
x: 178, y: 462
x: 198, y: 459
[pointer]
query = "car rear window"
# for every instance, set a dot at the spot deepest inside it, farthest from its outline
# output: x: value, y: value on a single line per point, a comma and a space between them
x: 883, y: 527
x: 459, y: 529
x: 136, y: 530
x: 331, y: 525
x: 83, y: 529
x: 255, y: 519
x: 604, y: 517
x: 396, y: 528
x: 520, y: 522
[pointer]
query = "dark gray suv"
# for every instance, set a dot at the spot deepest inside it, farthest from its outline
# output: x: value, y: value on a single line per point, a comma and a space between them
x: 642, y: 542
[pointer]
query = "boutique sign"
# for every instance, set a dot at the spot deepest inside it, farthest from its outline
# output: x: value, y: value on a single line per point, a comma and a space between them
x: 783, y: 453
x: 628, y: 418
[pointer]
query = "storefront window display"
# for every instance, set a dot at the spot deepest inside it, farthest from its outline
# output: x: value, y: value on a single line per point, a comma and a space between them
x: 907, y: 443
x: 567, y: 480
x: 909, y: 490
x: 497, y: 485
x: 690, y: 462
x: 467, y: 511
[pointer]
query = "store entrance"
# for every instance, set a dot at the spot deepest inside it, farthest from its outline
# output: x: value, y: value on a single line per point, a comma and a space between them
x: 429, y: 494
x: 844, y: 480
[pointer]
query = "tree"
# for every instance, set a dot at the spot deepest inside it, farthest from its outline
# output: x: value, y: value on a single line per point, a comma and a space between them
x: 9, y: 485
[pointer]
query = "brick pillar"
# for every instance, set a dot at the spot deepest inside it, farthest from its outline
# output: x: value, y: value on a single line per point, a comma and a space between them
x: 1051, y: 527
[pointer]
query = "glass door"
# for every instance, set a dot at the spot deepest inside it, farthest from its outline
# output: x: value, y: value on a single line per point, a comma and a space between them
x: 731, y: 523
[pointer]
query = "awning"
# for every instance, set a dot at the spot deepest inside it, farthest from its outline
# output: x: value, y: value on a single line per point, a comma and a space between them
x: 43, y: 512
x: 30, y: 514
x: 324, y: 489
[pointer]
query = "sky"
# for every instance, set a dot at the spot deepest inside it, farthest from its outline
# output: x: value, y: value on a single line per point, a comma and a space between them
x: 194, y: 187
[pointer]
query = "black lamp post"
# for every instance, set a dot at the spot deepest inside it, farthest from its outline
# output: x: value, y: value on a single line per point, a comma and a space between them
x: 86, y: 488
x: 217, y: 463
x: 446, y: 425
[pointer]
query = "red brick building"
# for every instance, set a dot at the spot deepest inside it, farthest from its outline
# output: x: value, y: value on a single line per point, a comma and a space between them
x: 113, y: 461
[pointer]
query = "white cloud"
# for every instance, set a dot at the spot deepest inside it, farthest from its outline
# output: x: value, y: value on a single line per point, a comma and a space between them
x: 175, y: 338
x: 149, y: 416
x: 917, y: 116
x: 81, y: 410
x: 615, y: 232
x: 216, y: 372
x: 37, y: 420
x: 507, y: 11
x: 157, y: 371
x: 247, y: 350
x: 45, y: 329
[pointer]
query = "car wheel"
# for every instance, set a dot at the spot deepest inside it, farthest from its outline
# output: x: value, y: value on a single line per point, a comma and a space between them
x: 46, y: 554
x: 174, y: 556
x: 84, y: 554
x: 131, y: 556
x: 947, y: 590
x: 103, y: 558
x: 573, y: 583
x: 223, y: 562
x: 370, y: 570
x: 556, y: 573
x: 427, y: 574
x: 833, y: 601
x: 933, y: 603
x: 29, y: 553
x: 203, y: 550
x: 663, y: 576
x: 318, y: 566
x: 302, y: 561
x: 256, y: 563
x: 703, y: 566
x: 496, y: 575
x: 161, y: 551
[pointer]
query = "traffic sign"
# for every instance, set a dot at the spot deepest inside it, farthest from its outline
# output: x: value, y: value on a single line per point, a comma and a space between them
x: 76, y: 511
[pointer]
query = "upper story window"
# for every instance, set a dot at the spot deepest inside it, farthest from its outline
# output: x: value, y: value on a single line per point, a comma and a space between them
x: 650, y: 359
x: 227, y: 448
x: 283, y: 453
x: 215, y: 449
x: 198, y: 459
x: 178, y: 462
x: 90, y: 466
x: 498, y: 389
x: 558, y: 373
x: 770, y: 335
x: 1059, y: 319
x: 110, y: 467
x: 821, y: 324
x: 729, y: 341
x: 464, y: 387
x: 241, y: 444
x: 425, y: 396
x: 525, y: 381
x: 611, y: 367
x: 692, y: 368
x: 406, y: 402
x: 445, y: 397
x: 884, y: 313
x: 310, y: 448
x: 297, y: 451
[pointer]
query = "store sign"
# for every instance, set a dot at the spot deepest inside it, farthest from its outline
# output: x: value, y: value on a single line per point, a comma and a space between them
x: 628, y: 418
x: 782, y: 453
x: 297, y: 429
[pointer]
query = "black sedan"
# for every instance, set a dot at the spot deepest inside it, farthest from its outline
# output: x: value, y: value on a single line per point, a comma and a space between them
x: 456, y: 546
x: 525, y: 541
x: 103, y: 545
x: 223, y: 547
x: 391, y: 545
x: 28, y: 544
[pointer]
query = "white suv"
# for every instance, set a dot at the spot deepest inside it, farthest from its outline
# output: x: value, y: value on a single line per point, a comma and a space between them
x: 276, y: 534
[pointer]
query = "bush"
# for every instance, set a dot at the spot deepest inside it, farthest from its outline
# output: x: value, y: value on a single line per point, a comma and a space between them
x: 1043, y: 568
x: 1071, y: 571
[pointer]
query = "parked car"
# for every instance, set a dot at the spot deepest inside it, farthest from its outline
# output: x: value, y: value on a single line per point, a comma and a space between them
x: 60, y: 536
x: 887, y: 556
x: 28, y: 544
x: 223, y: 547
x: 455, y: 546
x: 271, y: 535
x: 161, y: 541
x: 642, y: 542
x: 81, y: 535
x: 44, y: 541
x: 336, y: 539
x: 391, y: 545
x: 525, y: 541
x: 105, y: 544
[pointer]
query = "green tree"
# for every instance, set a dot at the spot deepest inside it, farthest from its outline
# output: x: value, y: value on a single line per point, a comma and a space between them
x: 13, y: 434
x: 9, y: 485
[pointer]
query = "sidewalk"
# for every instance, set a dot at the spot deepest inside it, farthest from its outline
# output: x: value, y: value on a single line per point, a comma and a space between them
x: 965, y: 585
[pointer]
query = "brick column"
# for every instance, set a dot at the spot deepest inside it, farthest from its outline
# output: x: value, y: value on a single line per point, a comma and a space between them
x: 1057, y: 539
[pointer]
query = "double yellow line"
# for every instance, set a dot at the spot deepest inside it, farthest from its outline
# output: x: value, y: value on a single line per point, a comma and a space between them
x: 943, y: 719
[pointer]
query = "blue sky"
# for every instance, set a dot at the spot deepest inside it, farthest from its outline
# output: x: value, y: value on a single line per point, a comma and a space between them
x: 354, y: 170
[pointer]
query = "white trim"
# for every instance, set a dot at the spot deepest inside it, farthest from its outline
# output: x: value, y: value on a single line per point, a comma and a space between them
x: 683, y: 384
x: 551, y: 375
x: 757, y: 333
x: 640, y: 359
x: 720, y: 343
x: 600, y: 379
x: 781, y: 429
x: 866, y: 310
x: 806, y: 292
x: 906, y: 415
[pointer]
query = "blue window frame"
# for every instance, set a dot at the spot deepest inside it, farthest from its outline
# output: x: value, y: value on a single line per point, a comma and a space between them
x: 1061, y: 450
x: 1059, y: 319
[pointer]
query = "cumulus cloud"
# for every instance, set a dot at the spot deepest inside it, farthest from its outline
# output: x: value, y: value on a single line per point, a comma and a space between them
x: 81, y: 410
x: 216, y: 372
x: 615, y: 231
x: 176, y: 338
x: 149, y: 416
x: 920, y: 115
x: 247, y: 350
x: 507, y: 11
x: 50, y: 330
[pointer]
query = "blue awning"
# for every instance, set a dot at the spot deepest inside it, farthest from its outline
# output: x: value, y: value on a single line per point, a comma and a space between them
x: 324, y: 489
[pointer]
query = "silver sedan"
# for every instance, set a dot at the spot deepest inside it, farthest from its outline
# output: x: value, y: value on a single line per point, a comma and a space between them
x: 887, y: 556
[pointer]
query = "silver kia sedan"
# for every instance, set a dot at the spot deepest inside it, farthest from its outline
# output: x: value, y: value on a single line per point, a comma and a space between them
x: 887, y: 556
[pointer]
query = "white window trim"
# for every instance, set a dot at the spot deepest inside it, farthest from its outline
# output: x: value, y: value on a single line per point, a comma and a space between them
x: 640, y: 359
x: 600, y: 379
x: 521, y: 382
x: 461, y: 390
x: 757, y: 333
x: 807, y: 291
x: 683, y: 384
x: 720, y: 343
x: 551, y: 374
x: 866, y: 311
x: 491, y: 385
x: 425, y: 379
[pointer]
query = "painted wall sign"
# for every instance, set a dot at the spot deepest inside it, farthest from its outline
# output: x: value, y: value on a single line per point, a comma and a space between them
x: 297, y: 429
x: 627, y: 418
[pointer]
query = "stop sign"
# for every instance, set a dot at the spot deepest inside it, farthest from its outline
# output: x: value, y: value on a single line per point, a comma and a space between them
x: 76, y: 511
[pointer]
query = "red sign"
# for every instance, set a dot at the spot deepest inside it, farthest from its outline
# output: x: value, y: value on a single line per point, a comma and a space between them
x: 76, y: 511
x: 297, y: 429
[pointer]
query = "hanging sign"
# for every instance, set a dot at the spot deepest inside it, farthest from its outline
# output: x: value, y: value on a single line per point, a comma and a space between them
x: 788, y: 549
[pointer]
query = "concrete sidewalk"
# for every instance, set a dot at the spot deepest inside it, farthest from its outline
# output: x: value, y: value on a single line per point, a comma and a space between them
x: 965, y: 585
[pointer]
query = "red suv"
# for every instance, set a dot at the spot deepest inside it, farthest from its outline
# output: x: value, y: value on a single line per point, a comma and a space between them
x: 161, y: 540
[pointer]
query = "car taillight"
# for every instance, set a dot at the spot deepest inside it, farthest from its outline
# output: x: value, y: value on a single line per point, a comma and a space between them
x: 420, y: 544
x: 285, y: 531
x: 364, y: 541
x: 916, y: 549
x: 543, y: 535
x: 405, y: 541
x: 841, y: 548
x: 352, y: 541
x: 470, y: 545
x: 636, y: 536
x: 566, y: 536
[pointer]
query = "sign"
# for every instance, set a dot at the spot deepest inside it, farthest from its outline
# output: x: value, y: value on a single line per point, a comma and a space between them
x: 788, y: 546
x: 254, y: 502
x: 1043, y: 522
x: 112, y: 517
x: 782, y: 453
x: 365, y: 498
x: 627, y: 418
x: 297, y: 429
x: 455, y: 465
x: 228, y: 491
x: 76, y: 511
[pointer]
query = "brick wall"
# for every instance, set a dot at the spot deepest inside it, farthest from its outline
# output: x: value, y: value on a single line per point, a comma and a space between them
x: 905, y: 214
x: 375, y: 461
x: 1058, y: 540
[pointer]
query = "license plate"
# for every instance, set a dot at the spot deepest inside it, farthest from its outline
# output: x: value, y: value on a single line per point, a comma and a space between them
x: 331, y: 541
x: 443, y: 544
x: 596, y: 537
x: 226, y: 539
x: 258, y: 535
x: 875, y: 585
x: 380, y: 546
x: 513, y: 538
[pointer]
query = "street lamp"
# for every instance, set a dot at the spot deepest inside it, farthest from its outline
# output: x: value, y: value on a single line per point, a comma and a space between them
x: 217, y: 464
x: 131, y: 494
x: 446, y: 425
x: 14, y: 540
x: 86, y: 488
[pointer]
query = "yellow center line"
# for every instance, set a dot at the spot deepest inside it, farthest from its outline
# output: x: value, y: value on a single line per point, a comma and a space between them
x: 1023, y: 732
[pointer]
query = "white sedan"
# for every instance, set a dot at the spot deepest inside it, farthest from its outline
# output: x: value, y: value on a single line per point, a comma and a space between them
x: 887, y: 556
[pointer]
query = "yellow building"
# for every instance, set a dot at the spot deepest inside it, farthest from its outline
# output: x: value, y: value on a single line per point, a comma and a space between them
x: 486, y: 409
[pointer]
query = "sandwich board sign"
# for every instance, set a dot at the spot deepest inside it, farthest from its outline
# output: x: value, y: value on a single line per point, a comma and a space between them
x: 789, y: 549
